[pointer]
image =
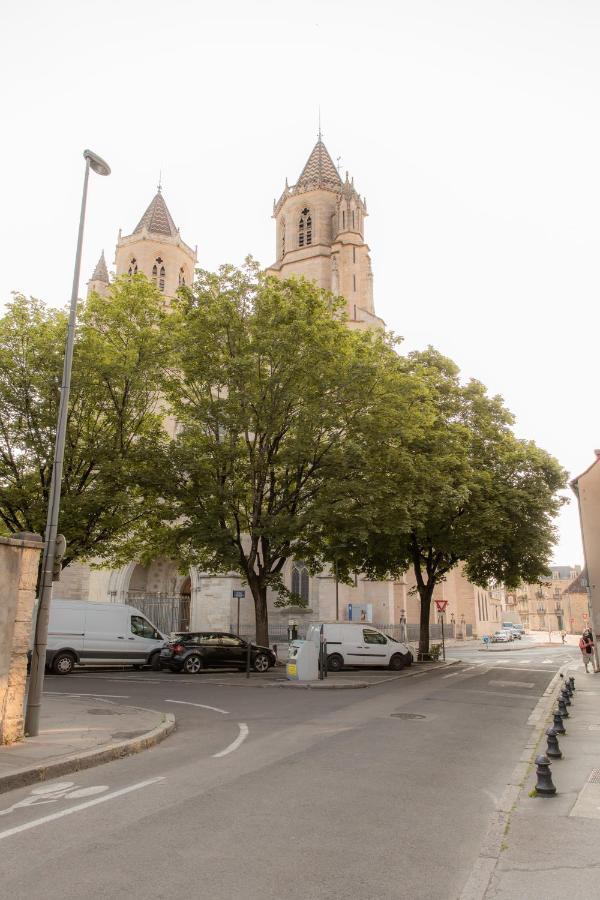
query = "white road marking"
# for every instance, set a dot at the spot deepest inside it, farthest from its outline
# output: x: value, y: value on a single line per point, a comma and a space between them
x: 80, y: 806
x: 524, y: 684
x: 544, y: 661
x: 78, y: 694
x: 233, y: 746
x: 200, y: 706
x: 452, y: 675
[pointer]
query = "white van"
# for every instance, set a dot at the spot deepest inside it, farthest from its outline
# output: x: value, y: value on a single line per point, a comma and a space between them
x: 85, y: 633
x: 359, y: 644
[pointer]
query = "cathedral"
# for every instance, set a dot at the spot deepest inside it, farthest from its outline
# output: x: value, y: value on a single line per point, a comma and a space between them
x: 320, y: 222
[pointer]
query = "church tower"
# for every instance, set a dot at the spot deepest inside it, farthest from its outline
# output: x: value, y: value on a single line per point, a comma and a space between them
x: 320, y: 235
x: 99, y: 281
x: 156, y: 249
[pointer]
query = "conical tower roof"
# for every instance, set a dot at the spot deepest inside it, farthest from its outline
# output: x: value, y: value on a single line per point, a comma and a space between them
x: 100, y: 272
x: 157, y: 218
x: 319, y: 171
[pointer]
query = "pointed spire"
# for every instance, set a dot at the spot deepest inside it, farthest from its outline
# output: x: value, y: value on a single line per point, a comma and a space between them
x: 100, y: 272
x: 157, y: 218
x: 319, y: 170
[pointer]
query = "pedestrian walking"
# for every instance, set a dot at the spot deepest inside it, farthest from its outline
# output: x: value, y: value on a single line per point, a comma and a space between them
x: 563, y: 635
x: 586, y: 645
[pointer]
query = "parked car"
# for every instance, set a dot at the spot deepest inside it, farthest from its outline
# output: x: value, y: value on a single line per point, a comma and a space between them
x: 501, y: 637
x: 196, y: 650
x: 81, y: 632
x: 358, y: 644
x: 515, y: 630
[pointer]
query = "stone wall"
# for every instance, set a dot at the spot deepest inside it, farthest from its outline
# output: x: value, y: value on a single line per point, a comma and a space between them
x: 19, y: 559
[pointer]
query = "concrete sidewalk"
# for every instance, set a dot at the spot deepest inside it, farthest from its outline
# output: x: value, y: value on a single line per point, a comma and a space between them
x: 77, y: 733
x: 546, y: 848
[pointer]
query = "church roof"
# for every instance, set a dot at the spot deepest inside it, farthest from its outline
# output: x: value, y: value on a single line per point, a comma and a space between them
x: 157, y: 218
x: 319, y: 171
x: 100, y: 272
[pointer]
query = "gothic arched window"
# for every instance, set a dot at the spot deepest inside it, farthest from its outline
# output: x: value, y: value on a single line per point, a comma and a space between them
x: 133, y: 266
x: 282, y: 238
x: 300, y: 580
x: 161, y: 280
x: 305, y: 228
x: 154, y: 274
x: 182, y: 276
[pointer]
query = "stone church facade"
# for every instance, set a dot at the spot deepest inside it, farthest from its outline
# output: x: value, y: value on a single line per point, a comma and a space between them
x: 320, y: 224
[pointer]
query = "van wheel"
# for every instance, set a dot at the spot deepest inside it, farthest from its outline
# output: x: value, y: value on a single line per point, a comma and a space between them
x: 63, y: 663
x: 192, y: 665
x: 154, y: 662
x: 397, y: 662
x: 335, y: 663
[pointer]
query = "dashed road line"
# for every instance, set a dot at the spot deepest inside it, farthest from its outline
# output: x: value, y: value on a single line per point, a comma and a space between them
x: 200, y: 705
x: 235, y: 744
x: 78, y: 694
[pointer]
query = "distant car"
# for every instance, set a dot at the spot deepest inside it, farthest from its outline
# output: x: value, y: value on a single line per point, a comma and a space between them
x: 194, y: 651
x: 515, y: 630
x: 501, y: 637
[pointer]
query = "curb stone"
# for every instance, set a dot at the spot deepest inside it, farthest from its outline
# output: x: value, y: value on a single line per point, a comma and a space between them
x: 483, y: 870
x: 77, y: 762
x: 338, y: 686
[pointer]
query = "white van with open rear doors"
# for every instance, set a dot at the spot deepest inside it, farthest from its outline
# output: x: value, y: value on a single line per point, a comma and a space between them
x: 85, y: 633
x: 359, y: 644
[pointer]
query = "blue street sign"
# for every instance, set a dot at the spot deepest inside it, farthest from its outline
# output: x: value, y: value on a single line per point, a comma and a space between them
x: 240, y: 594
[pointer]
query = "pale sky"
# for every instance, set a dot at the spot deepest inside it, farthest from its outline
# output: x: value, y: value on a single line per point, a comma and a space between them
x: 471, y: 127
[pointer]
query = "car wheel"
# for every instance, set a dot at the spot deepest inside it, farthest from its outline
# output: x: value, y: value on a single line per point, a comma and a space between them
x: 261, y: 662
x: 408, y: 659
x: 155, y: 662
x: 192, y: 665
x: 397, y: 662
x: 63, y: 663
x: 335, y: 663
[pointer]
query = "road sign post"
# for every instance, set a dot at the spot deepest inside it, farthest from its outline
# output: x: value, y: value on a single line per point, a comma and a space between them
x: 240, y: 596
x: 441, y: 608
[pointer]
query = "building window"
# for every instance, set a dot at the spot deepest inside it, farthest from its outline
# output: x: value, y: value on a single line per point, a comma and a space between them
x: 354, y: 281
x: 154, y: 274
x: 161, y: 280
x: 305, y: 228
x: 353, y: 254
x: 352, y: 218
x: 300, y: 580
x: 133, y: 266
x: 282, y: 238
x: 343, y: 219
x: 181, y: 276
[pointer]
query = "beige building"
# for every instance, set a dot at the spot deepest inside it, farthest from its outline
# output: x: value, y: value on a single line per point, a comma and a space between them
x: 586, y: 488
x: 471, y: 610
x: 541, y: 606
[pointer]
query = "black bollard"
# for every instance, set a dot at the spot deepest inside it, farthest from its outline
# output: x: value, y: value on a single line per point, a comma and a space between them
x: 544, y: 786
x: 567, y: 687
x: 562, y: 708
x: 565, y: 697
x: 553, y: 749
x: 572, y: 682
x: 558, y: 726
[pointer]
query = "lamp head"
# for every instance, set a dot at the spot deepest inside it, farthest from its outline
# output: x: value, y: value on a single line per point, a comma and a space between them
x: 97, y: 163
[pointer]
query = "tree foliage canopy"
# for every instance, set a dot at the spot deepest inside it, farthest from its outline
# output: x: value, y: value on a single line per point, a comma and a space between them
x: 113, y: 429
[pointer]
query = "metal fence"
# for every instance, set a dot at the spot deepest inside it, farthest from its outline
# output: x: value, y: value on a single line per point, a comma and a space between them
x: 173, y: 614
x: 167, y: 613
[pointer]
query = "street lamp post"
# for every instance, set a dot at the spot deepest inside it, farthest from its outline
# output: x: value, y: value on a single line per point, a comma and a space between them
x: 38, y: 656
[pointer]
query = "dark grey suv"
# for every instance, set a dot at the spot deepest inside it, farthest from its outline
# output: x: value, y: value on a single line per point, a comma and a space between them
x: 196, y: 650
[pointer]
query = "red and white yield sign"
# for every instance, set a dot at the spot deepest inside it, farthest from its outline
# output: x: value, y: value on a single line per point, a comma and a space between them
x: 441, y: 605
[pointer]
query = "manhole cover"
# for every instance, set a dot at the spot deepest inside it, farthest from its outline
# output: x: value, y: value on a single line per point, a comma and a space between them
x: 407, y: 716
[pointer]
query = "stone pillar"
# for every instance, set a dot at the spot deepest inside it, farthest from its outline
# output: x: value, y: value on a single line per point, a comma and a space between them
x: 19, y: 560
x: 212, y: 597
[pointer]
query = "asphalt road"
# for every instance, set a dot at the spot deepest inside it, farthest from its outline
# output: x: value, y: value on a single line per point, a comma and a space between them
x: 277, y: 793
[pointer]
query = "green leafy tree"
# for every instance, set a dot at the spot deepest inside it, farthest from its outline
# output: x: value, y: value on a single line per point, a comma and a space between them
x: 270, y: 390
x: 479, y: 496
x: 114, y: 428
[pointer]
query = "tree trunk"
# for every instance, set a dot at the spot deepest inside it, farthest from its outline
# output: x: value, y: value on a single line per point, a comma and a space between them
x: 425, y: 594
x: 259, y: 593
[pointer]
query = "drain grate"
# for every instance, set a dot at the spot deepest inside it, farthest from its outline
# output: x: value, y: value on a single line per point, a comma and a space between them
x: 409, y: 716
x: 594, y: 777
